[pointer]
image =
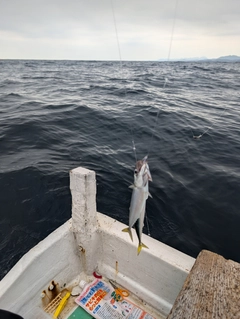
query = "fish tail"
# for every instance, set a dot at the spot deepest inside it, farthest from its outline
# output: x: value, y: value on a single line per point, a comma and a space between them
x: 128, y: 230
x: 140, y: 246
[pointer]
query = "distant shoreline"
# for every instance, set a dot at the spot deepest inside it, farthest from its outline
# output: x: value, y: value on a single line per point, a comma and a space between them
x: 227, y: 58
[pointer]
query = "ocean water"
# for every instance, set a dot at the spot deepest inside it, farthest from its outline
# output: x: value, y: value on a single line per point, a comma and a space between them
x: 57, y: 115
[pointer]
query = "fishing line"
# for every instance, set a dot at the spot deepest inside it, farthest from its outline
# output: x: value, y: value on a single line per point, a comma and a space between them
x: 117, y: 37
x: 125, y: 92
x: 173, y: 29
x: 209, y: 128
x: 121, y: 73
x: 166, y: 79
x: 148, y: 228
x: 163, y: 88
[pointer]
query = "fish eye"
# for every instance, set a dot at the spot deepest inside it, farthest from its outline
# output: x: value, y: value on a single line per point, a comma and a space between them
x: 135, y: 171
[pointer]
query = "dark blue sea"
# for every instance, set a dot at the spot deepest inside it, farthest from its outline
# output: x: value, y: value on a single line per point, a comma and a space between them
x: 57, y: 115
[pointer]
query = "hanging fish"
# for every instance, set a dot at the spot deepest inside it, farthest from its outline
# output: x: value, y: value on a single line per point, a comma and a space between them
x: 138, y: 201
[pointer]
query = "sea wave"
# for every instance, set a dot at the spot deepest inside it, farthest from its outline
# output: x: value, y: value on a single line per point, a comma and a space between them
x: 57, y: 115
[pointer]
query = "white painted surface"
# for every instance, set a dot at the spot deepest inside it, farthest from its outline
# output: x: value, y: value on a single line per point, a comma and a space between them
x: 85, y: 227
x: 94, y: 242
x: 56, y: 257
x: 156, y: 275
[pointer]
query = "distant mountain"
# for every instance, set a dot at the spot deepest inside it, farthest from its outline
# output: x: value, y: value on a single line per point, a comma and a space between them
x: 185, y: 59
x: 203, y: 58
x: 227, y: 58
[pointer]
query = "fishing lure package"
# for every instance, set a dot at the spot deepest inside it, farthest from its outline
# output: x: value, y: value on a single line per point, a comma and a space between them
x: 101, y: 301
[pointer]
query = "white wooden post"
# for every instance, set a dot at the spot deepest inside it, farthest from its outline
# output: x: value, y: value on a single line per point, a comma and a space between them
x: 84, y: 215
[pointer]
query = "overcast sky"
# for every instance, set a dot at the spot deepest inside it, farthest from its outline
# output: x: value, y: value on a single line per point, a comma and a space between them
x: 85, y: 29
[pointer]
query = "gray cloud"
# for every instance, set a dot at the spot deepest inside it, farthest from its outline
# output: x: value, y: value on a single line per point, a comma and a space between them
x: 82, y: 29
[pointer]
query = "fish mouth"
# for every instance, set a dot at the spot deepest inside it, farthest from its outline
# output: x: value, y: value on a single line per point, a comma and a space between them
x: 144, y: 160
x: 140, y: 163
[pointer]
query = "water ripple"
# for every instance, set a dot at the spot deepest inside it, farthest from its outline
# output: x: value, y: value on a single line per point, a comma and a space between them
x: 56, y: 115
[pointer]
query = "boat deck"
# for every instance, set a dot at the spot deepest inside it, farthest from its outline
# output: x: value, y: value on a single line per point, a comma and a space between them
x: 72, y: 310
x: 88, y: 242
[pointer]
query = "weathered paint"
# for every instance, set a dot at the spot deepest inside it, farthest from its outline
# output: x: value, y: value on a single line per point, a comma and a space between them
x: 156, y: 275
x: 55, y: 258
x: 92, y: 241
x: 85, y: 226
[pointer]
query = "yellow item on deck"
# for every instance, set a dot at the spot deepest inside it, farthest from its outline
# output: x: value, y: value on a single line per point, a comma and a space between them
x: 61, y: 305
